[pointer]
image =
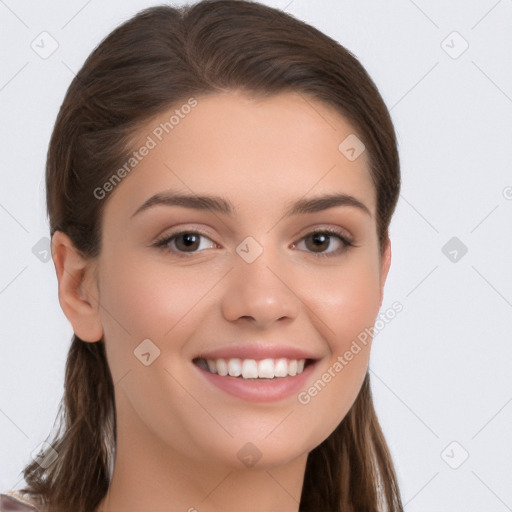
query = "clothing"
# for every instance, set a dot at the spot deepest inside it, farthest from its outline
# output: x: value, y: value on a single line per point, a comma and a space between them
x: 12, y: 501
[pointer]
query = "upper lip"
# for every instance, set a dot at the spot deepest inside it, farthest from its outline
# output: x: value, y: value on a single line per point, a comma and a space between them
x: 257, y: 351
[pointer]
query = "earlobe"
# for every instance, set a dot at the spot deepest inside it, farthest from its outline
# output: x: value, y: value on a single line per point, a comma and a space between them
x: 78, y: 295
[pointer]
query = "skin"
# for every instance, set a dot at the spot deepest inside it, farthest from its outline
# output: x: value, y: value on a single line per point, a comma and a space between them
x: 178, y: 437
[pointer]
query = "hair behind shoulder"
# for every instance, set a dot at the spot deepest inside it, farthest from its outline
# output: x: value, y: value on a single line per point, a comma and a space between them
x: 153, y: 61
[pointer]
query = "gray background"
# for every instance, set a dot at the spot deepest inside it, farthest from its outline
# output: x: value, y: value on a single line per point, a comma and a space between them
x: 441, y: 369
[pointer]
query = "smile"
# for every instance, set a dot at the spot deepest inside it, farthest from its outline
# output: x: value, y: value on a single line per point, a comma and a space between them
x: 252, y: 380
x: 251, y: 369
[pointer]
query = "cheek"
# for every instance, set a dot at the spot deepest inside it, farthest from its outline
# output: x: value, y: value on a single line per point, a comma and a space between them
x: 144, y: 300
x: 346, y: 307
x: 148, y: 296
x: 347, y: 299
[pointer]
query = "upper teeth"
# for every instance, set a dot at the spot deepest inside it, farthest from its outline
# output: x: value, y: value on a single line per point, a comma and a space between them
x: 253, y: 369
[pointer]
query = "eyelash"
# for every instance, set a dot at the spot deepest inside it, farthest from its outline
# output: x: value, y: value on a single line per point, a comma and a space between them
x: 162, y: 243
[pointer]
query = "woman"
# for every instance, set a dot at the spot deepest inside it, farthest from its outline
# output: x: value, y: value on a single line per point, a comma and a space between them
x: 220, y: 182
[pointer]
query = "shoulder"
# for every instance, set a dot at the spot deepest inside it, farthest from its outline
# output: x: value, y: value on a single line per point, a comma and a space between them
x: 11, y: 501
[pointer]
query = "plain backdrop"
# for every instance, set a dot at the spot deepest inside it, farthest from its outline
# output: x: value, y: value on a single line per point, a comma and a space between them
x: 440, y: 370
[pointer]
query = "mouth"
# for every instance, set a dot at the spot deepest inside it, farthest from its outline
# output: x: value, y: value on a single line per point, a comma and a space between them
x: 267, y: 369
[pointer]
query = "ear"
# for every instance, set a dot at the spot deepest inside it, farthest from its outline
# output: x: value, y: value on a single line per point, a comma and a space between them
x: 384, y: 267
x: 78, y: 291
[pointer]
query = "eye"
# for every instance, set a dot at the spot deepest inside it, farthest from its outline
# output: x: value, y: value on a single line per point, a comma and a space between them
x: 318, y: 241
x: 183, y: 242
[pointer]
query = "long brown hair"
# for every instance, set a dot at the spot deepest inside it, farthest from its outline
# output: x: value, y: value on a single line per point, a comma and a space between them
x: 152, y: 62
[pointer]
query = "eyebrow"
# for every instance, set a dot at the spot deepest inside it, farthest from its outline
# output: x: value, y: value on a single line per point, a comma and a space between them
x: 221, y: 205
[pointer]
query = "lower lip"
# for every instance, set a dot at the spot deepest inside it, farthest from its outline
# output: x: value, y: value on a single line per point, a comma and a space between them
x: 268, y: 390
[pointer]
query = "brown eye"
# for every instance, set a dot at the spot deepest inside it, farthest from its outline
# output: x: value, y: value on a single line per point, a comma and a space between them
x: 187, y: 241
x: 183, y: 242
x: 319, y: 243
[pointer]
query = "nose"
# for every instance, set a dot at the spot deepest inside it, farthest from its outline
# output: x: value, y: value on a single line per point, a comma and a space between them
x: 260, y: 293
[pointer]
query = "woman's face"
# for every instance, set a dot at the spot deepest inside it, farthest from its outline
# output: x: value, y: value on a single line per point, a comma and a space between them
x: 236, y: 284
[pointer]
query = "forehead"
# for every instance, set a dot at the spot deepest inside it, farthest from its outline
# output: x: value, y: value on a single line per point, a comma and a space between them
x: 254, y: 150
